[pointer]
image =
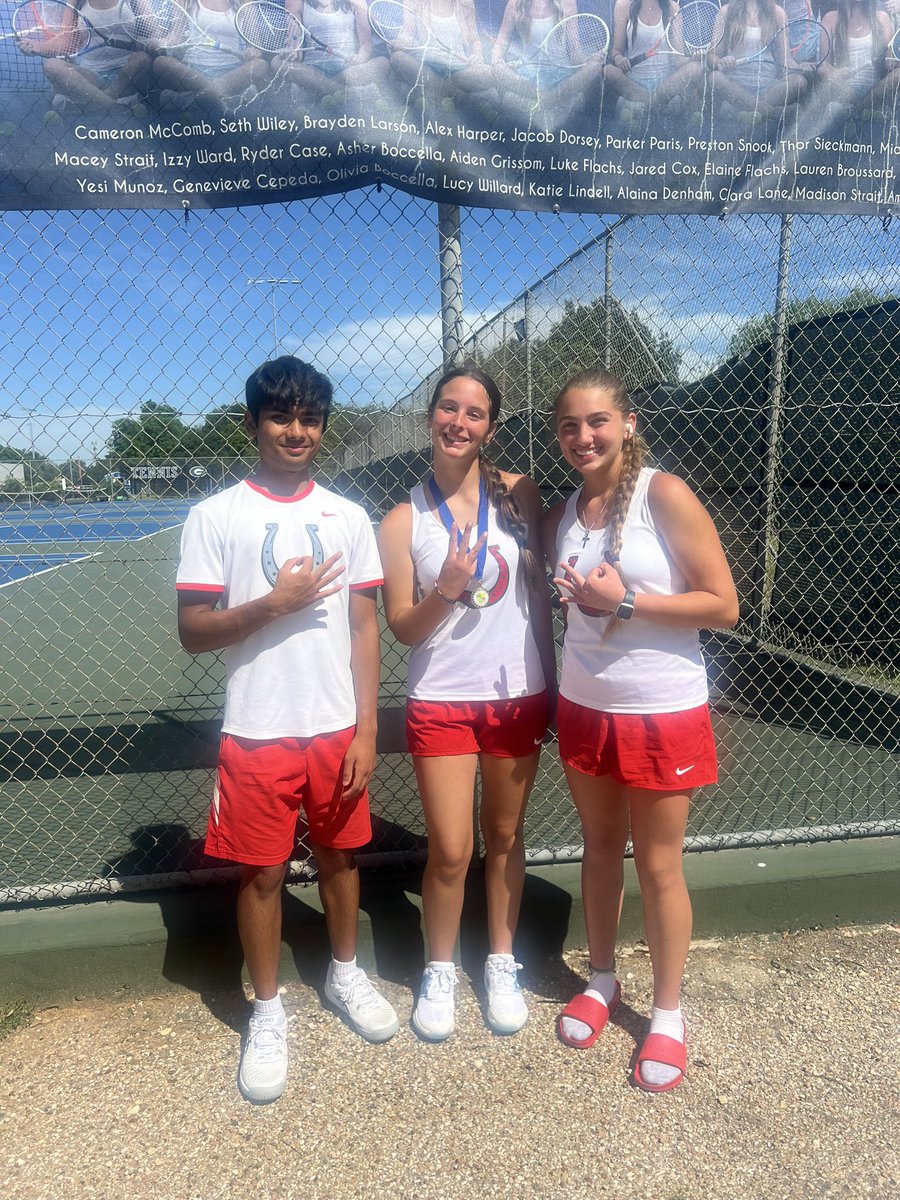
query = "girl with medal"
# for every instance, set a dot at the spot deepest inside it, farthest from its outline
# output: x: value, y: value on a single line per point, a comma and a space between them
x: 463, y: 588
x: 640, y: 571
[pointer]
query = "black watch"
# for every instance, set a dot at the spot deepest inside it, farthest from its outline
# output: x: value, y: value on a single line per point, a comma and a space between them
x: 625, y: 611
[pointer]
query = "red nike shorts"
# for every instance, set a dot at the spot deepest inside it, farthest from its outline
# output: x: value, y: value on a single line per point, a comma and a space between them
x: 665, y: 752
x: 503, y: 728
x: 261, y: 787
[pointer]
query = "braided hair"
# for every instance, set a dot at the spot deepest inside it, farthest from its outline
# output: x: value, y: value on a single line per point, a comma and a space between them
x: 634, y: 454
x: 510, y: 517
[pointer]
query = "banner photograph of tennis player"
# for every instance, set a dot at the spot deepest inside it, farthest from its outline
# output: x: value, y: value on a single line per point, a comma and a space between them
x: 601, y: 105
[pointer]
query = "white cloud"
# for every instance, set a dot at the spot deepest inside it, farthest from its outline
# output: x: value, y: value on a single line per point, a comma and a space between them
x: 378, y: 360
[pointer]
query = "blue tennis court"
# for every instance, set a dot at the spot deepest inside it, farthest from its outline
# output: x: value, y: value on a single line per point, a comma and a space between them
x: 50, y: 537
x: 112, y: 521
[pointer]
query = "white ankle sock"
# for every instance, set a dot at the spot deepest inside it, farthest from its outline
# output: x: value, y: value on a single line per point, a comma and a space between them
x: 602, y: 986
x: 342, y: 970
x: 272, y: 1009
x: 668, y: 1022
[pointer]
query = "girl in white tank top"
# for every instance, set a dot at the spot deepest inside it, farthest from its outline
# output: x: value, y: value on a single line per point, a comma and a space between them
x: 767, y: 84
x: 639, y: 27
x: 340, y: 61
x: 104, y: 76
x: 464, y: 590
x: 857, y: 71
x: 205, y: 74
x: 640, y: 571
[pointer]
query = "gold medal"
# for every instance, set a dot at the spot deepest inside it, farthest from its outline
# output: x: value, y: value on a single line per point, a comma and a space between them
x: 480, y: 596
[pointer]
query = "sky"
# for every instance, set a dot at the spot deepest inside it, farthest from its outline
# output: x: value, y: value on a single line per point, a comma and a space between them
x: 101, y: 311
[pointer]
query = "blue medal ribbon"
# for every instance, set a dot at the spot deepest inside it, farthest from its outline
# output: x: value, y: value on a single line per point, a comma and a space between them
x: 447, y: 519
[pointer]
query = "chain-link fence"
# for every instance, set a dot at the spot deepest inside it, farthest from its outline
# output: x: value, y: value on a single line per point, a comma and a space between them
x: 763, y: 353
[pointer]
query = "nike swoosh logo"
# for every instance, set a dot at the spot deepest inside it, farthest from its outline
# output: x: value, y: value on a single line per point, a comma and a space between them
x: 325, y: 514
x: 684, y: 770
x: 539, y: 741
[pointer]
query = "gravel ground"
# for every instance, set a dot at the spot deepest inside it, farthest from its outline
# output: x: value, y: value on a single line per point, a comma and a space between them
x: 791, y: 1093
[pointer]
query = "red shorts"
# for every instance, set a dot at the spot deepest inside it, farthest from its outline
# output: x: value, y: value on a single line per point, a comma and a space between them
x: 261, y: 787
x: 502, y: 728
x: 666, y: 752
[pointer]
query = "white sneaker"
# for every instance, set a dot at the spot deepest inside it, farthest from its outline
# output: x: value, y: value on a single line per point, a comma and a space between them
x: 264, y: 1061
x: 434, y: 1016
x: 506, y: 1010
x: 357, y: 1001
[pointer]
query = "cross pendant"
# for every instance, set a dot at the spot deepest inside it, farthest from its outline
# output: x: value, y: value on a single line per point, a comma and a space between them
x: 585, y: 538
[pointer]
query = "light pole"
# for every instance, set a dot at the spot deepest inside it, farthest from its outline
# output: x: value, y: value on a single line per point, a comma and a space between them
x: 272, y: 284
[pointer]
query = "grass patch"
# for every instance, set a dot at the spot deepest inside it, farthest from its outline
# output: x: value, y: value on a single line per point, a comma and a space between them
x: 16, y: 1017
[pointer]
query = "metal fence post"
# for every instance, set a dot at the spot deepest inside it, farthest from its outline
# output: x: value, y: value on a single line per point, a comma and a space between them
x: 529, y: 382
x: 450, y: 259
x: 607, y: 299
x: 767, y: 563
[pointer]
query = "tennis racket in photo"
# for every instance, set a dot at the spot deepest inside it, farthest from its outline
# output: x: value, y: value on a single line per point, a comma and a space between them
x: 690, y: 32
x: 807, y: 42
x: 573, y: 42
x: 401, y: 28
x: 269, y: 27
x: 160, y: 26
x: 55, y: 29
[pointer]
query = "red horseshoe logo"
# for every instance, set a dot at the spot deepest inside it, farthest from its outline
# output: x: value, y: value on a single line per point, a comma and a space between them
x: 498, y: 591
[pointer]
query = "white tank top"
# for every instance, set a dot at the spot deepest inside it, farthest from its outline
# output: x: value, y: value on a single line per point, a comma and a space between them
x: 640, y: 666
x: 221, y: 27
x: 336, y: 29
x: 110, y: 20
x: 651, y: 72
x: 475, y: 653
x: 861, y: 58
x: 538, y: 29
x: 643, y: 37
x: 448, y: 45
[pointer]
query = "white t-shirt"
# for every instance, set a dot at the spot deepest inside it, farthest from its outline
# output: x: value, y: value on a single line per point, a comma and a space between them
x: 640, y: 666
x: 475, y: 653
x: 292, y: 677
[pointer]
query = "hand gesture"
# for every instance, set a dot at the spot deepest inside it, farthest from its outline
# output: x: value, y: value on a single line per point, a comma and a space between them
x: 460, y: 564
x: 300, y: 584
x: 601, y: 589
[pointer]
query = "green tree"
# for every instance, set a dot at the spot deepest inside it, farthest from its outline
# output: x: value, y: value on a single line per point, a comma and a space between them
x: 39, y: 471
x: 349, y: 424
x: 761, y: 329
x: 641, y: 355
x: 156, y: 432
x: 222, y: 434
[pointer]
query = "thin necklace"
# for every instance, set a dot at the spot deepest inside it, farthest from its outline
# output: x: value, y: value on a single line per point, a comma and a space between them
x: 597, y: 521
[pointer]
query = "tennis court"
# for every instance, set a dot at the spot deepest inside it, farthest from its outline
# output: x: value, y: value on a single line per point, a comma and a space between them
x: 109, y: 733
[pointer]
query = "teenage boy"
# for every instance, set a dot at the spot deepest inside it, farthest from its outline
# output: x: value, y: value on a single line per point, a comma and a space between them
x: 283, y: 575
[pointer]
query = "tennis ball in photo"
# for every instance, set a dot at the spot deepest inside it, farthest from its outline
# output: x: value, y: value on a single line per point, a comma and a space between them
x: 7, y: 129
x: 139, y: 109
x: 52, y: 117
x: 448, y: 105
x: 331, y: 101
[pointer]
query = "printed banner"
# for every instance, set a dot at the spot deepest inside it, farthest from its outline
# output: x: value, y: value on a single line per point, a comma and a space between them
x: 534, y: 104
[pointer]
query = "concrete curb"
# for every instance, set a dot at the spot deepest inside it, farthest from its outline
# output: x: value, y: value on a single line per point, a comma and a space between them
x: 150, y: 943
